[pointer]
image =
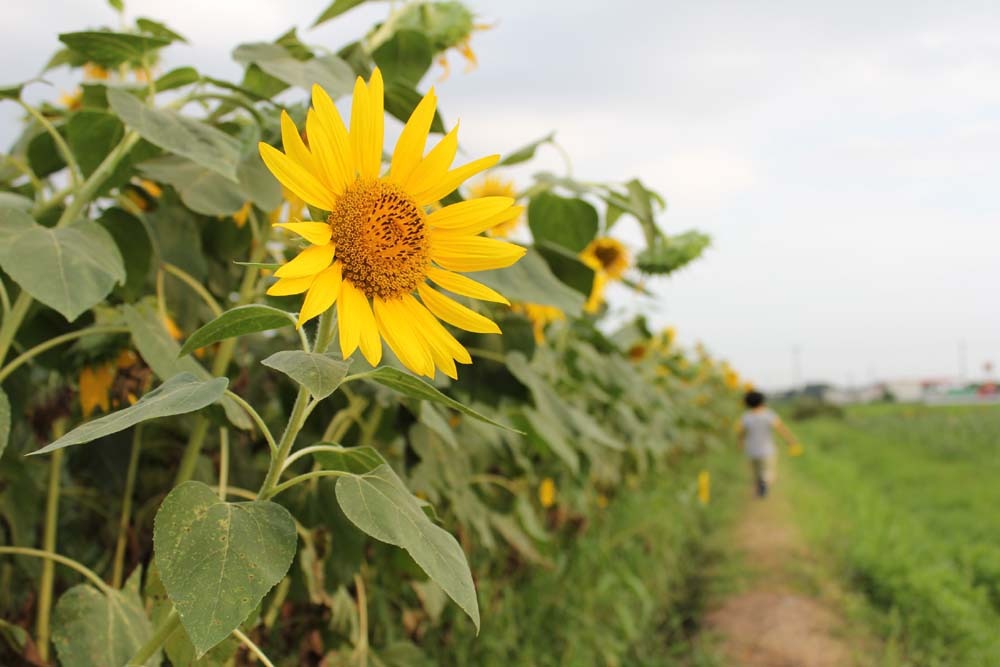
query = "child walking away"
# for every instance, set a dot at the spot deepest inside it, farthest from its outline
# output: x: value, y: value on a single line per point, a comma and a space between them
x: 756, y: 428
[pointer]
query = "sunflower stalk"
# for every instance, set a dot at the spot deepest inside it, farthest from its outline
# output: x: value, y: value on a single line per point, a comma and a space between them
x: 118, y: 566
x: 43, y: 618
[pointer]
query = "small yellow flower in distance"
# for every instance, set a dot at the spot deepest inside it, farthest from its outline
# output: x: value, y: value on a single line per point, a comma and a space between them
x: 638, y: 351
x: 609, y: 260
x: 704, y: 487
x: 95, y: 384
x: 72, y: 101
x: 547, y: 492
x: 795, y: 449
x: 93, y: 71
x: 151, y: 188
x: 667, y: 337
x: 240, y: 217
x: 172, y: 328
x: 540, y: 317
x: 493, y: 186
x: 379, y: 247
x: 602, y: 500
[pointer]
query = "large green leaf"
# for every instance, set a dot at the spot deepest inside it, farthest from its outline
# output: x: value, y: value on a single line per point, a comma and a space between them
x: 532, y: 281
x: 356, y: 460
x: 568, y: 222
x: 151, y: 27
x: 68, y: 268
x: 667, y: 254
x: 90, y: 628
x: 162, y: 353
x: 177, y: 78
x: 135, y: 246
x: 4, y: 421
x: 401, y: 99
x: 218, y: 560
x: 379, y: 503
x: 205, y: 191
x: 179, y: 395
x: 321, y: 374
x: 111, y: 49
x: 238, y: 321
x: 336, y: 8
x: 405, y: 58
x: 178, y: 134
x: 566, y: 266
x: 91, y: 135
x: 414, y: 387
x: 331, y: 73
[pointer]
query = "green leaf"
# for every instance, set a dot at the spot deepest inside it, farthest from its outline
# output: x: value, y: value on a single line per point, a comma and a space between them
x: 331, y: 73
x: 379, y: 503
x: 321, y: 374
x: 400, y: 101
x: 111, y: 49
x: 668, y: 254
x: 268, y: 266
x: 405, y: 58
x: 567, y: 266
x: 525, y: 153
x: 414, y: 387
x: 4, y: 421
x: 135, y: 246
x: 218, y: 560
x: 356, y: 460
x: 11, y: 92
x: 14, y: 636
x: 117, y: 5
x: 569, y: 222
x: 238, y: 321
x: 337, y: 8
x: 178, y: 134
x: 162, y: 353
x: 14, y: 200
x: 531, y: 280
x: 90, y: 628
x: 157, y: 29
x: 177, y: 78
x: 179, y: 395
x: 552, y: 434
x: 68, y: 268
x: 91, y: 135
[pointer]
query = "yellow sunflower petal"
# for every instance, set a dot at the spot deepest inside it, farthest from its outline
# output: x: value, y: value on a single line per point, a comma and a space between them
x: 437, y: 345
x: 455, y: 313
x: 324, y: 149
x: 309, y: 262
x: 596, y: 297
x: 288, y: 286
x: 454, y: 178
x: 433, y: 328
x: 295, y: 148
x: 322, y: 293
x: 397, y: 330
x: 335, y: 131
x: 473, y: 253
x: 410, y: 145
x: 376, y: 107
x: 459, y: 284
x: 355, y: 311
x: 463, y: 214
x: 484, y: 224
x: 434, y: 167
x: 317, y: 233
x: 296, y: 178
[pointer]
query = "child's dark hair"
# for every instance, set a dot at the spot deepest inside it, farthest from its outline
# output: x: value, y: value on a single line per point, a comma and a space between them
x: 754, y: 399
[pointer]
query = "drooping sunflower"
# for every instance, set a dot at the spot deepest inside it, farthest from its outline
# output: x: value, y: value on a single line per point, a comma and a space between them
x: 494, y: 186
x: 608, y: 258
x: 379, y: 243
x: 540, y: 317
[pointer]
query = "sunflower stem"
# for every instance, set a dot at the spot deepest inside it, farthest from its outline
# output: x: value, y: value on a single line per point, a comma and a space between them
x: 44, y: 615
x: 295, y: 422
x: 12, y: 320
x: 196, y: 286
x: 153, y: 644
x: 80, y: 568
x: 28, y: 355
x: 75, y: 175
x: 118, y: 567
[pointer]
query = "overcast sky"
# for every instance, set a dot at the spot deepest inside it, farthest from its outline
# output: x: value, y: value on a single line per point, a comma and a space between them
x: 842, y: 155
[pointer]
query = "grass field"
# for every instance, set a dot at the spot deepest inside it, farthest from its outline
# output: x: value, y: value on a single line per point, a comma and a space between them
x: 906, y: 501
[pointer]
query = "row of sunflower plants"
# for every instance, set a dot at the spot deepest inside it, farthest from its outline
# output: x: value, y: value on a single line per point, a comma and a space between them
x: 233, y: 421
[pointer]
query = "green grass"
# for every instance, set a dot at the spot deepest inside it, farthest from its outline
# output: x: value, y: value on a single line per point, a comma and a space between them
x: 905, y: 500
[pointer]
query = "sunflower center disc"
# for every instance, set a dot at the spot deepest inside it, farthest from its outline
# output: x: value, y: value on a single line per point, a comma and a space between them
x: 381, y: 237
x: 606, y: 255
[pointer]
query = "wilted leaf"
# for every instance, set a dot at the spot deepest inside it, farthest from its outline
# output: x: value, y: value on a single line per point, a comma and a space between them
x: 238, y: 321
x: 179, y: 395
x: 218, y: 560
x: 68, y: 268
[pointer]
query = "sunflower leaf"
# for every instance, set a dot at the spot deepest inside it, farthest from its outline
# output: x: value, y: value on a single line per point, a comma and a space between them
x: 331, y: 73
x: 525, y: 153
x: 111, y: 49
x: 4, y: 421
x: 335, y: 9
x: 414, y: 387
x: 238, y: 321
x: 321, y: 374
x: 566, y: 221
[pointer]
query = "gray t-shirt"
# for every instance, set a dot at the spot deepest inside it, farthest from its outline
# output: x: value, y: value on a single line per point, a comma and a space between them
x: 757, y: 427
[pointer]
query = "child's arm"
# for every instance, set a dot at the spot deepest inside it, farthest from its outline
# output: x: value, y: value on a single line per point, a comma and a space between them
x: 785, y: 432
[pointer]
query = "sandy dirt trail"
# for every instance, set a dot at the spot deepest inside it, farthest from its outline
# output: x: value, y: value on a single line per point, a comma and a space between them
x: 771, y: 624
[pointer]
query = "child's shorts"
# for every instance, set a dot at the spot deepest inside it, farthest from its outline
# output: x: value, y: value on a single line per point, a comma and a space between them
x: 763, y: 469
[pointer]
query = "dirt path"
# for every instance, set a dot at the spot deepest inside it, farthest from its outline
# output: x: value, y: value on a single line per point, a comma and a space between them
x: 771, y: 624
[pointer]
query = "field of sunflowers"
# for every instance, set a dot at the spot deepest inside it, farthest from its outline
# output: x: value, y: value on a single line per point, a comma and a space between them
x: 276, y: 391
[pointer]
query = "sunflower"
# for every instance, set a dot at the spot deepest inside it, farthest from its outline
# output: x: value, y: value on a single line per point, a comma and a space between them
x: 379, y: 243
x: 494, y: 186
x: 540, y: 317
x: 609, y: 260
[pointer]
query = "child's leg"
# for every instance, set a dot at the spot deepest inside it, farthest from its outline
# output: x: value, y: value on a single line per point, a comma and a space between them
x: 759, y: 476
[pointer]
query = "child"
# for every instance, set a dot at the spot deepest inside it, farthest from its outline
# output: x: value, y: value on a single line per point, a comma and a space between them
x: 755, y: 429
